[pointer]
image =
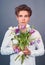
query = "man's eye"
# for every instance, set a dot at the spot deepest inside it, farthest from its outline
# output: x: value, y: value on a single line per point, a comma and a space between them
x: 26, y: 16
x: 20, y: 15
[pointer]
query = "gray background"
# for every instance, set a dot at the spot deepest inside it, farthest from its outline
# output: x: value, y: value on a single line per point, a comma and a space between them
x: 8, y: 18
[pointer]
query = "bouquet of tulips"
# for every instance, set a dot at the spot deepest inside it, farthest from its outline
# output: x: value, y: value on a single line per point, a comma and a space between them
x: 21, y: 42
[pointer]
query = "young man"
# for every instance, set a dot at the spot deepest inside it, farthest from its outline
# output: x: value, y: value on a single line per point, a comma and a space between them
x: 23, y: 14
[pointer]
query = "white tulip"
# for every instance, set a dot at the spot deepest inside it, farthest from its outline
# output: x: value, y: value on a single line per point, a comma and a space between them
x: 21, y: 53
x: 12, y: 28
x: 15, y: 41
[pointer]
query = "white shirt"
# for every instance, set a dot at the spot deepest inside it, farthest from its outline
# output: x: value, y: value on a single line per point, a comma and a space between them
x: 6, y: 48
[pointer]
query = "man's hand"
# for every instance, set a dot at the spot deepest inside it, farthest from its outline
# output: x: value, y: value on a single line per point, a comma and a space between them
x: 16, y: 47
x: 27, y: 51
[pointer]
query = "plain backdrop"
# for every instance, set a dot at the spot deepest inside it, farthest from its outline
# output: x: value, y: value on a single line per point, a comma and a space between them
x: 8, y: 18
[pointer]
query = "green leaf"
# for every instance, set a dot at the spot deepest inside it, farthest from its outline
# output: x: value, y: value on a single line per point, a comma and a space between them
x: 17, y: 57
x: 22, y: 59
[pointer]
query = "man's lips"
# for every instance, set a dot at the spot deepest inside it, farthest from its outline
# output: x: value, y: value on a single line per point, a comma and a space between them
x: 22, y: 22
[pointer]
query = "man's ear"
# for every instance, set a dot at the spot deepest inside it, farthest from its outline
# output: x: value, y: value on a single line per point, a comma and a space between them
x: 17, y: 17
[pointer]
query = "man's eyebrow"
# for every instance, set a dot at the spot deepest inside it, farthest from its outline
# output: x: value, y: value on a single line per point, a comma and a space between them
x: 24, y: 15
x: 20, y: 15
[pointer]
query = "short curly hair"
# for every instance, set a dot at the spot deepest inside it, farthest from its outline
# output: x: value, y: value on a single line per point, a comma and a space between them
x: 23, y: 7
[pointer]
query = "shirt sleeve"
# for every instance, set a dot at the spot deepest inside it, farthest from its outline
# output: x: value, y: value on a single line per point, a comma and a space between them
x: 38, y: 44
x: 6, y: 47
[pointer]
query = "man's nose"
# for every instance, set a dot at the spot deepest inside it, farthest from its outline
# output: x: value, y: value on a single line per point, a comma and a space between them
x: 23, y: 18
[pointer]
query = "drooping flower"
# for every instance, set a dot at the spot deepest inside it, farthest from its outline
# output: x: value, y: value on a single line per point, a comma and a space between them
x: 38, y: 41
x: 32, y: 31
x: 23, y: 27
x: 17, y: 30
x: 31, y: 43
x: 16, y: 50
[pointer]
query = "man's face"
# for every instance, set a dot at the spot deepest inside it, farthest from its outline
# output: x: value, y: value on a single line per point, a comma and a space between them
x: 23, y: 17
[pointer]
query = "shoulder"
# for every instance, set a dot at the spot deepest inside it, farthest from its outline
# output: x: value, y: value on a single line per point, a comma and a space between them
x: 10, y: 30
